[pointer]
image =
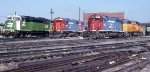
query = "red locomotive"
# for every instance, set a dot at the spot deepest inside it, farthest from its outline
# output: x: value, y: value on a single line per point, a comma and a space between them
x: 59, y: 24
x: 95, y: 22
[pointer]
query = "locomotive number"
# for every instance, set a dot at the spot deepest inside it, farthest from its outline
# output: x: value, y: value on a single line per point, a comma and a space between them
x: 9, y: 24
x: 46, y: 26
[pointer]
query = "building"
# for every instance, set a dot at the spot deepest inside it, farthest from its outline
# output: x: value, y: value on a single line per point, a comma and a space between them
x: 120, y: 15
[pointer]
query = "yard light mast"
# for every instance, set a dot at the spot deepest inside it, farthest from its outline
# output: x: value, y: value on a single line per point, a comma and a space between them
x: 51, y: 12
x: 80, y: 19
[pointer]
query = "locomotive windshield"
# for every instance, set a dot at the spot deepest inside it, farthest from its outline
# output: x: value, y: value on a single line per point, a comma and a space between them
x: 127, y: 22
x: 135, y: 22
x: 9, y: 18
x: 16, y: 18
x: 59, y: 21
x: 96, y: 19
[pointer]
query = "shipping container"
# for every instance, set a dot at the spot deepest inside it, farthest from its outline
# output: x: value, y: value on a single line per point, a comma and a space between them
x: 112, y: 24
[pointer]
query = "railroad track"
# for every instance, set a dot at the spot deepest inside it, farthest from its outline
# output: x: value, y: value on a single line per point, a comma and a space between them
x: 49, y: 47
x: 46, y: 43
x: 62, y: 51
x: 135, y: 66
x: 22, y: 56
x: 19, y: 39
x: 75, y: 50
x: 76, y: 62
x: 30, y: 39
x: 26, y: 45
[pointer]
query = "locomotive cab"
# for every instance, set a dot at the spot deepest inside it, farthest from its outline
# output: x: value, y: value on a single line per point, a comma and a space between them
x: 13, y: 22
x: 95, y: 22
x: 59, y: 24
x: 58, y: 27
x: 11, y: 25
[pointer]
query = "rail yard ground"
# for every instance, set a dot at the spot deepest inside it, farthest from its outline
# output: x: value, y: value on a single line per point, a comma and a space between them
x: 130, y: 54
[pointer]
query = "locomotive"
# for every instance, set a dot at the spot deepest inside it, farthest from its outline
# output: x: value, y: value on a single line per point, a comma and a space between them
x: 26, y: 26
x: 98, y: 26
x: 104, y: 26
x: 132, y: 28
x: 66, y: 27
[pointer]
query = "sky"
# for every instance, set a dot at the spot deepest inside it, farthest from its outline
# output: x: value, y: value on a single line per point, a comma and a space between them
x: 138, y: 10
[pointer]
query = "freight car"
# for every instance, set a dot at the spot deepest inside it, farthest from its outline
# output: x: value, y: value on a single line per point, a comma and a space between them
x: 66, y: 27
x: 103, y: 26
x: 26, y: 26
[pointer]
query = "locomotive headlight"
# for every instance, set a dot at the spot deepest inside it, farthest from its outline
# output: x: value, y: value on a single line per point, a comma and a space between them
x: 98, y: 17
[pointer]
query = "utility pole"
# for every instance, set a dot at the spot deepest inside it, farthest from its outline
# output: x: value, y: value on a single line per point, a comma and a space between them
x: 83, y: 16
x: 51, y: 12
x: 79, y: 13
x: 15, y: 13
x: 79, y: 19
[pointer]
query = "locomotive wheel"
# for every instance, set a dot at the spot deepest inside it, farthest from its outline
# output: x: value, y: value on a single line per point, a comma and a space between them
x: 120, y: 35
x: 93, y: 37
x: 14, y: 35
x: 7, y: 35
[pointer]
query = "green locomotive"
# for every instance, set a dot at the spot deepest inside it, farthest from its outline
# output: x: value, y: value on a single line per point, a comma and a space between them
x: 26, y: 26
